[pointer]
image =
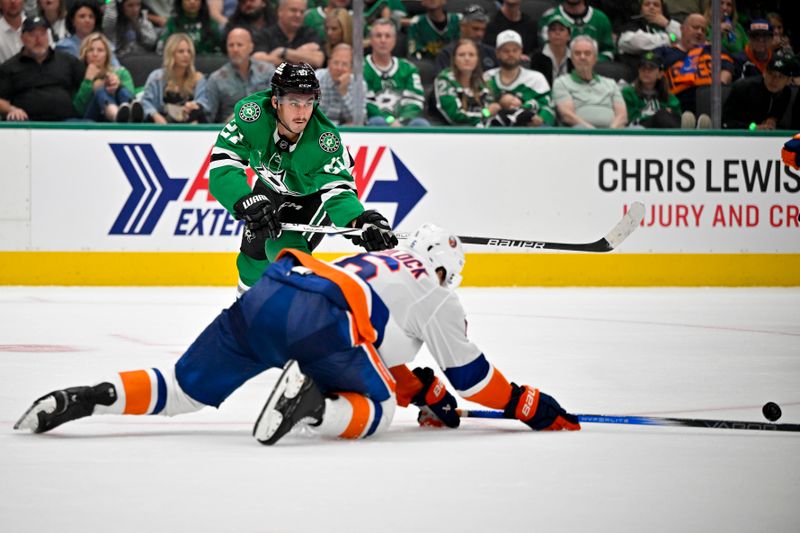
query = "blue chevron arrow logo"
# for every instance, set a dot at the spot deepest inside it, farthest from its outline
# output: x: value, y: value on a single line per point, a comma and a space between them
x: 406, y: 191
x: 151, y: 189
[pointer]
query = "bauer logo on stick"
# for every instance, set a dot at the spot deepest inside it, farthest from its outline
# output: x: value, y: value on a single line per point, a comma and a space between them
x: 250, y: 112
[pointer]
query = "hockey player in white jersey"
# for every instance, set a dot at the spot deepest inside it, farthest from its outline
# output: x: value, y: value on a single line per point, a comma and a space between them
x: 343, y: 332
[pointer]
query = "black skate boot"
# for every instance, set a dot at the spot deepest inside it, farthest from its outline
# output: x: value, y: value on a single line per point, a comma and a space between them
x: 52, y: 410
x: 295, y: 397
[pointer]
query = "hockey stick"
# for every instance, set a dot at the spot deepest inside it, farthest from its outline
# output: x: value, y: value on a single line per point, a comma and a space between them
x: 332, y: 230
x: 629, y: 222
x: 651, y: 421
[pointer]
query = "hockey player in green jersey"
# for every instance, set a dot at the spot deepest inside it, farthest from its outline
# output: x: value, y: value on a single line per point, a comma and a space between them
x: 302, y: 169
x: 583, y: 20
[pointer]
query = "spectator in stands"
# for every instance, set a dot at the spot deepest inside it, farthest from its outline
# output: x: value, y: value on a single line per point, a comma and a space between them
x: 462, y: 97
x: 83, y: 18
x: 38, y: 83
x: 680, y: 9
x: 734, y: 36
x: 473, y: 26
x: 585, y: 99
x: 648, y: 30
x: 619, y: 12
x: 760, y: 102
x: 688, y: 64
x: 256, y: 16
x: 338, y: 29
x: 523, y: 94
x: 221, y: 10
x: 192, y: 18
x: 128, y: 29
x: 237, y: 78
x: 106, y: 92
x: 10, y: 28
x: 648, y: 101
x: 315, y: 16
x: 159, y: 11
x: 55, y: 13
x: 432, y: 31
x: 394, y: 89
x: 758, y: 51
x: 780, y: 41
x: 336, y: 85
x: 553, y: 59
x: 289, y: 40
x: 171, y: 93
x: 393, y: 10
x: 583, y: 20
x: 511, y: 17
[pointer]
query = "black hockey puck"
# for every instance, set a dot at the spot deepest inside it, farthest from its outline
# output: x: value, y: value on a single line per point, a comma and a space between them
x: 772, y: 411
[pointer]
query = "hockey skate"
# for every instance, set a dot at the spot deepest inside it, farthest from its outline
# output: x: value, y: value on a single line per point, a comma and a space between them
x: 52, y: 410
x: 295, y: 398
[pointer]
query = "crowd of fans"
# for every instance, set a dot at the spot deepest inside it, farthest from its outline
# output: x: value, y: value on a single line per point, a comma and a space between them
x: 523, y: 63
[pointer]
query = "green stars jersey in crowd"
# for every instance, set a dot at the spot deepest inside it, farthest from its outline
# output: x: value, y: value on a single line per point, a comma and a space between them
x: 595, y: 24
x: 459, y: 105
x: 530, y: 86
x: 425, y: 39
x: 396, y: 91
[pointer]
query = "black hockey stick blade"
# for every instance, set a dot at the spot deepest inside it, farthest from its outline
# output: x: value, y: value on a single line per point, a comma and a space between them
x: 613, y: 238
x: 627, y: 224
x: 651, y: 421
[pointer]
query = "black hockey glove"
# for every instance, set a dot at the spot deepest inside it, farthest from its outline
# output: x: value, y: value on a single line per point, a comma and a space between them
x: 437, y: 407
x: 540, y: 411
x: 259, y: 213
x: 377, y: 234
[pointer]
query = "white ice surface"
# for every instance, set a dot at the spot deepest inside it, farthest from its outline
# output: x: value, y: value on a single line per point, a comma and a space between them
x: 705, y: 353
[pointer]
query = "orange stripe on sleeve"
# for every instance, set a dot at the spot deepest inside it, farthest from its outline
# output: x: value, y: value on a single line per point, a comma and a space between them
x: 495, y: 394
x: 137, y: 392
x: 359, y: 419
x: 352, y: 291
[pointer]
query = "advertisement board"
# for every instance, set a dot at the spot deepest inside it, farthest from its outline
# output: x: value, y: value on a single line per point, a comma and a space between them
x: 128, y: 190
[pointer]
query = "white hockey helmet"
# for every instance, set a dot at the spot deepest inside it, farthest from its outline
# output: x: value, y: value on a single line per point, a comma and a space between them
x: 440, y: 249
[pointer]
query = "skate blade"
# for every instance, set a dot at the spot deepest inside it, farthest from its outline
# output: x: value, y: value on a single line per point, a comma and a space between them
x: 30, y: 419
x: 270, y: 419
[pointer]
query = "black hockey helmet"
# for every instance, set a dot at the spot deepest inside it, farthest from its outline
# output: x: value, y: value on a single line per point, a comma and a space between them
x: 295, y: 78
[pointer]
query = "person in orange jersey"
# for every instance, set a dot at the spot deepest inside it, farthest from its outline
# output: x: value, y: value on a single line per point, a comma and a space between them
x: 343, y: 333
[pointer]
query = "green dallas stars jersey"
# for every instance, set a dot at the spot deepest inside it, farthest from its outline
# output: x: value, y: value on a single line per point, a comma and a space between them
x: 316, y: 163
x: 530, y: 86
x: 595, y: 24
x: 425, y: 39
x: 458, y: 104
x: 396, y: 91
x: 315, y: 19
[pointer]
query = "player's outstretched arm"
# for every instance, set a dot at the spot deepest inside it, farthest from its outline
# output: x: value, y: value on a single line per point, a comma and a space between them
x: 480, y: 382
